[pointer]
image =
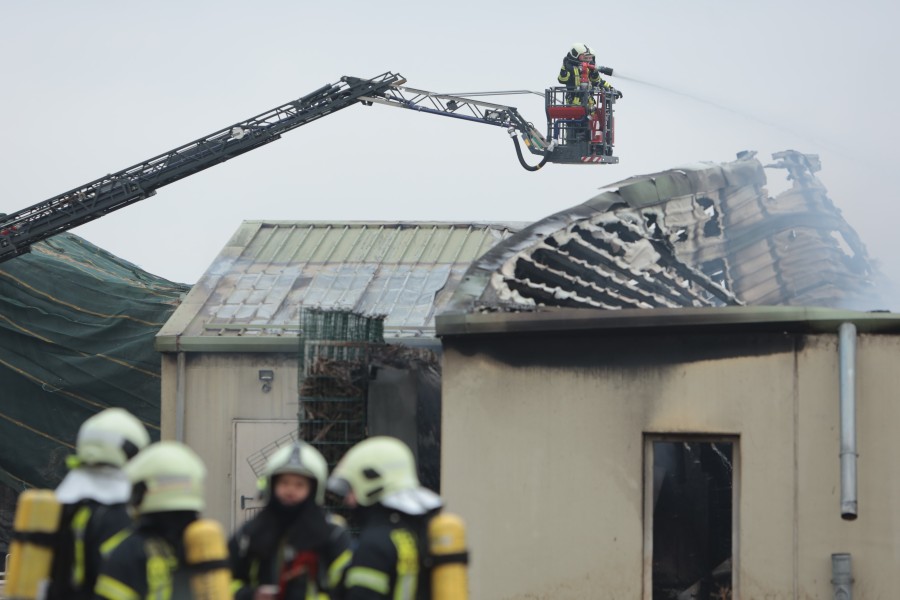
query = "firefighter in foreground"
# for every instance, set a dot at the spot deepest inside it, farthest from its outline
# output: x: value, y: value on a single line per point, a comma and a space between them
x: 61, y: 533
x: 169, y: 552
x: 292, y: 549
x: 579, y: 71
x: 94, y: 495
x: 405, y: 550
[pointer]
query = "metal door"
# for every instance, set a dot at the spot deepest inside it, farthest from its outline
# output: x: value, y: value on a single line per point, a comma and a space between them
x: 254, y: 441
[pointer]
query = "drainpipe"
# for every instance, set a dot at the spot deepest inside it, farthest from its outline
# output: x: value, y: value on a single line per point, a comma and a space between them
x: 847, y: 351
x: 179, y: 397
x: 841, y: 577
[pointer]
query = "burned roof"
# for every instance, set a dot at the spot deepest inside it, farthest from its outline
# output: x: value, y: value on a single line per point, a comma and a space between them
x: 256, y: 286
x: 702, y: 235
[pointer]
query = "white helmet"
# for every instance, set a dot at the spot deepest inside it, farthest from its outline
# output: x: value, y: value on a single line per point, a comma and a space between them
x: 382, y: 470
x: 167, y: 476
x: 111, y: 437
x: 299, y: 458
x: 581, y: 52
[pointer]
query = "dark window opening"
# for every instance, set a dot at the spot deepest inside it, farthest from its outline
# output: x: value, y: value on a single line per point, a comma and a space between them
x: 693, y: 483
x: 653, y: 227
x: 712, y: 228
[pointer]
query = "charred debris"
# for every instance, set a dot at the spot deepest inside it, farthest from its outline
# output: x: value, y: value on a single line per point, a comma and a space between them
x: 701, y: 235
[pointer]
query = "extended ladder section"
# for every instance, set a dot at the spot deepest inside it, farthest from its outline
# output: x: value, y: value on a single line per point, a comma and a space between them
x: 467, y: 109
x: 579, y: 130
x: 19, y: 230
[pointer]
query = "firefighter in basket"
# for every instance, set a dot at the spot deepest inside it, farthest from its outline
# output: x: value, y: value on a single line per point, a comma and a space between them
x: 579, y: 73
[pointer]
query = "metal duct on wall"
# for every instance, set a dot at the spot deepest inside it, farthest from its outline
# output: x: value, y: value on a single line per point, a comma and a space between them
x: 847, y: 351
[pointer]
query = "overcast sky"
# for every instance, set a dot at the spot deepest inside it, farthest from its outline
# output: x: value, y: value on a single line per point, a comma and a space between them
x: 92, y: 87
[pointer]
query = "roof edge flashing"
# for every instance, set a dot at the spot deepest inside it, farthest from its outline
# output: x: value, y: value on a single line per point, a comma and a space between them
x: 762, y: 318
x: 166, y: 344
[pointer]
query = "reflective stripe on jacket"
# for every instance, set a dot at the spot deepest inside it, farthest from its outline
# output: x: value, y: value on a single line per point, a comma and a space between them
x: 85, y: 528
x: 143, y: 565
x: 387, y: 563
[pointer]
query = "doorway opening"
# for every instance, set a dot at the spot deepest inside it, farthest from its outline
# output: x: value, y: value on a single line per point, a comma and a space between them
x: 690, y: 517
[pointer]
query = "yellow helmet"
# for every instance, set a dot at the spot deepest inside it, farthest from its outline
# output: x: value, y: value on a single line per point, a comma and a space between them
x: 111, y: 437
x: 167, y: 476
x: 382, y: 470
x: 299, y: 458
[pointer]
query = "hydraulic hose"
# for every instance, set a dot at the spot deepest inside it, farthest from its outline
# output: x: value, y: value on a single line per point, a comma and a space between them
x: 522, y: 158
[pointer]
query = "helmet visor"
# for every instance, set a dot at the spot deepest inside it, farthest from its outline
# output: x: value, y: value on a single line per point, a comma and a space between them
x: 586, y: 57
x: 338, y: 486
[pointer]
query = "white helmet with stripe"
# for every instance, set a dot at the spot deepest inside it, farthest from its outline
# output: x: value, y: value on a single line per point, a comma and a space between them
x: 382, y: 470
x: 299, y: 458
x: 581, y: 53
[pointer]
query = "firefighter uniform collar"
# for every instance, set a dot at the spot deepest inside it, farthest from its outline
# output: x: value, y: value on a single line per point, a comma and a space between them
x: 413, y: 502
x: 106, y: 485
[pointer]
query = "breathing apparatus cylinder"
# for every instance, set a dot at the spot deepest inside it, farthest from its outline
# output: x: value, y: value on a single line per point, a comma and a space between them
x: 31, y: 552
x: 447, y: 547
x: 207, y: 556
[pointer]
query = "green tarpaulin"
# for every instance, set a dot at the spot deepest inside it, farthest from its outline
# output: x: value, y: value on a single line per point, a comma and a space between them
x: 76, y: 336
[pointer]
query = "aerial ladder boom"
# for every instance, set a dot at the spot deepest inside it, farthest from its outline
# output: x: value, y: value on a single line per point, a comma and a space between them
x: 19, y: 230
x: 581, y: 134
x: 580, y: 125
x: 468, y: 109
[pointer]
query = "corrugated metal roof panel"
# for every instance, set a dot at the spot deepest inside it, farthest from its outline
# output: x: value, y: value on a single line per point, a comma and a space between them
x: 269, y: 269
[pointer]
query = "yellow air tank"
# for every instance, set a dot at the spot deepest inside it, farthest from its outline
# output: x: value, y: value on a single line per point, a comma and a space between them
x: 31, y: 552
x: 207, y: 555
x: 447, y: 546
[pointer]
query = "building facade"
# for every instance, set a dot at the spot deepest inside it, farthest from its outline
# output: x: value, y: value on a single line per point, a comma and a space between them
x: 232, y: 351
x: 673, y: 453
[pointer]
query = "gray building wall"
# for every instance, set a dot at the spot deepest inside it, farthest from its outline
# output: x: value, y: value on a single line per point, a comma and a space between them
x: 544, y: 455
x: 220, y: 388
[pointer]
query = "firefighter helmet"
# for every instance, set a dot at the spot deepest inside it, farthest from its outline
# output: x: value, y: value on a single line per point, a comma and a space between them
x: 581, y: 53
x: 167, y: 476
x: 299, y: 458
x: 111, y: 437
x: 382, y: 470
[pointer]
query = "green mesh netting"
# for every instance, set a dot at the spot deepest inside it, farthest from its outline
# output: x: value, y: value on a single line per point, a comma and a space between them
x: 341, y: 325
x: 77, y: 328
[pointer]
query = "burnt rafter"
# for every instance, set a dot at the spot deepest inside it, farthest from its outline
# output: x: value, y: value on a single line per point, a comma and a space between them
x: 608, y: 289
x: 610, y: 260
x: 719, y: 239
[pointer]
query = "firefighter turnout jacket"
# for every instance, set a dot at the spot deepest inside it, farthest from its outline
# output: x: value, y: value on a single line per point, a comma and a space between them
x: 84, y: 529
x: 148, y: 560
x: 388, y: 561
x: 305, y: 564
x: 571, y: 76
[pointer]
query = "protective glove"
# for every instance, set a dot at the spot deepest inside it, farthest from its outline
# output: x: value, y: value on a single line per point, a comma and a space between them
x: 618, y: 94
